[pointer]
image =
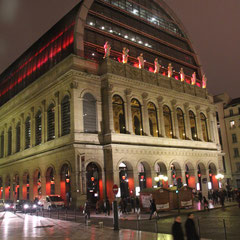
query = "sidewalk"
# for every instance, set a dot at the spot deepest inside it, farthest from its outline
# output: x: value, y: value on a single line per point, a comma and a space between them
x: 143, y: 216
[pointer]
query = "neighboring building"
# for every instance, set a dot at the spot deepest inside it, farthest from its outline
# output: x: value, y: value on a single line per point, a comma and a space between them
x: 229, y: 133
x: 73, y: 123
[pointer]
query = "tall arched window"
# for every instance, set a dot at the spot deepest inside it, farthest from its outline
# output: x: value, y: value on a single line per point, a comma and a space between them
x: 136, y: 117
x: 204, y: 127
x: 193, y: 125
x: 167, y: 121
x: 2, y: 145
x: 51, y: 122
x: 153, y: 122
x: 181, y: 124
x: 89, y: 113
x: 65, y: 114
x: 27, y: 133
x: 118, y: 114
x: 18, y: 137
x: 38, y: 128
x: 10, y: 141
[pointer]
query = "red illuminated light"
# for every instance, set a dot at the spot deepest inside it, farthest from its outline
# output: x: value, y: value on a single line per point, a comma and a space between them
x: 92, y: 178
x: 52, y: 182
x: 28, y: 185
x: 67, y: 180
x: 142, y: 177
x: 199, y: 175
x: 210, y: 174
x: 173, y: 175
x: 187, y: 175
x: 123, y: 177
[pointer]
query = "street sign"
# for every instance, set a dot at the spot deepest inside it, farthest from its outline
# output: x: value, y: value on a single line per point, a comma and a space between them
x: 115, y: 189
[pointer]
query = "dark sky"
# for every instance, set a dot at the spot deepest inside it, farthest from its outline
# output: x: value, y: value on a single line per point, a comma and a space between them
x: 212, y: 25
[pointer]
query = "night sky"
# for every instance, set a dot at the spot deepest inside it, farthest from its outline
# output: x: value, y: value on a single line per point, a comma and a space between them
x: 212, y: 25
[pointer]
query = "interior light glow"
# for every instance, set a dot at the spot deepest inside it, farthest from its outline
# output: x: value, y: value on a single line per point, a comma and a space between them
x: 91, y: 23
x: 126, y: 36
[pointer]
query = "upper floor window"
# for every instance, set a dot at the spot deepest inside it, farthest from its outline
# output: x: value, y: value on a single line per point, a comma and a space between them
x: 38, y: 128
x: 236, y: 153
x: 2, y: 145
x: 118, y: 114
x: 136, y: 117
x: 204, y: 127
x: 10, y: 141
x: 153, y: 122
x: 167, y: 121
x: 27, y: 133
x: 231, y: 112
x: 18, y: 137
x: 65, y: 114
x: 193, y: 125
x: 181, y: 124
x: 51, y: 122
x: 234, y: 138
x: 89, y: 113
x: 232, y: 124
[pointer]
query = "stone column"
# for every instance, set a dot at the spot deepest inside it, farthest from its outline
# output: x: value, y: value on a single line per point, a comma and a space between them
x: 32, y: 126
x: 20, y: 186
x: 129, y: 111
x: 99, y: 117
x: 13, y: 137
x: 209, y: 127
x: 215, y: 128
x: 183, y: 175
x: 146, y: 127
x: 5, y: 141
x: 169, y: 174
x: 57, y: 115
x: 31, y: 187
x: 161, y: 118
x: 110, y: 108
x: 57, y: 183
x: 198, y: 121
x: 44, y: 120
x: 3, y: 188
x: 22, y: 132
x: 11, y: 193
x: 174, y: 119
x: 187, y: 122
x: 43, y: 184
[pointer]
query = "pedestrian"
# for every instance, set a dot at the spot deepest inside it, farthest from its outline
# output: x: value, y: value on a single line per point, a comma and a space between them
x: 137, y: 204
x: 87, y: 210
x: 107, y: 206
x: 98, y: 206
x: 222, y: 198
x: 133, y: 203
x: 177, y: 231
x: 153, y: 208
x: 200, y: 197
x: 190, y: 228
x: 205, y: 203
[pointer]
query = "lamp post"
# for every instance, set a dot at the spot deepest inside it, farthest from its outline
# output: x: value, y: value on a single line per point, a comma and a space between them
x: 220, y: 177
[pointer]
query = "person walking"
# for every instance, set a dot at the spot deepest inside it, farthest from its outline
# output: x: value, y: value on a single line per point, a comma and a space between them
x: 177, y: 231
x: 153, y: 208
x: 205, y: 203
x: 137, y: 204
x: 107, y: 207
x: 190, y: 228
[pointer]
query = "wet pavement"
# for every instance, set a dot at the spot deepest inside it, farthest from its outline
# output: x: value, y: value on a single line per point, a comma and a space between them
x: 24, y: 226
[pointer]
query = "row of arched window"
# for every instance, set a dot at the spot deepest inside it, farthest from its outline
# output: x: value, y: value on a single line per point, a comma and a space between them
x: 65, y: 128
x: 137, y: 122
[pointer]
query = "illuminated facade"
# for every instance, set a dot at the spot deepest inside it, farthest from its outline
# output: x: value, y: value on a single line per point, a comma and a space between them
x: 73, y: 123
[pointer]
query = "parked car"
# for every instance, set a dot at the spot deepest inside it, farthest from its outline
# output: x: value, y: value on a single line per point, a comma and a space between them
x: 26, y: 206
x: 9, y: 205
x: 1, y: 204
x: 51, y: 202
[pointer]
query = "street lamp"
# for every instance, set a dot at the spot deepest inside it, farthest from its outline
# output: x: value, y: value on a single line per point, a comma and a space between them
x: 219, y: 177
x: 159, y: 179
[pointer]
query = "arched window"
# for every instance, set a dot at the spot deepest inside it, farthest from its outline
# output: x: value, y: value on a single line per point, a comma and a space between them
x: 18, y: 137
x: 153, y: 122
x: 51, y: 122
x: 89, y: 113
x: 27, y: 133
x: 66, y: 123
x: 136, y: 117
x: 118, y: 114
x: 10, y: 141
x: 181, y: 124
x: 204, y: 127
x: 167, y: 121
x: 38, y: 128
x: 2, y: 145
x: 193, y: 125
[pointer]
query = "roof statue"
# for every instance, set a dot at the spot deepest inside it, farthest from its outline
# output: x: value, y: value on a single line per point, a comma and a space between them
x: 125, y: 55
x: 182, y: 75
x: 170, y: 70
x: 107, y: 49
x: 140, y: 61
x: 193, y: 79
x: 157, y: 66
x: 204, y: 81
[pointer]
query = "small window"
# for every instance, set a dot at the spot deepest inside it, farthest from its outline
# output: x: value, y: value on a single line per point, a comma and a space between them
x: 27, y: 133
x: 231, y: 112
x: 236, y: 153
x: 232, y: 124
x: 234, y: 138
x: 10, y: 141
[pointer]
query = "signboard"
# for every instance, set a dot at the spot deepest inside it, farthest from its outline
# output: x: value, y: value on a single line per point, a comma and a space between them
x: 146, y: 200
x: 186, y: 203
x: 115, y: 189
x: 162, y: 206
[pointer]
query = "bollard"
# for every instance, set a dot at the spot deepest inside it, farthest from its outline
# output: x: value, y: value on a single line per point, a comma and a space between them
x: 225, y: 231
x: 199, y: 232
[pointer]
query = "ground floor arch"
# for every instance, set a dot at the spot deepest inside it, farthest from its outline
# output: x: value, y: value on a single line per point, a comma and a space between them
x: 190, y: 175
x: 65, y: 183
x: 161, y: 178
x: 50, y: 181
x: 212, y: 176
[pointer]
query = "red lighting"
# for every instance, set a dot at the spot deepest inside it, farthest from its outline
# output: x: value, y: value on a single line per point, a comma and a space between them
x: 187, y: 175
x: 210, y: 174
x: 142, y: 177
x: 17, y: 186
x: 199, y: 175
x: 151, y: 69
x: 123, y: 177
x: 136, y: 65
x: 92, y: 179
x: 28, y: 185
x: 67, y: 180
x: 39, y: 183
x: 164, y: 74
x: 52, y: 182
x: 176, y: 77
x: 173, y: 175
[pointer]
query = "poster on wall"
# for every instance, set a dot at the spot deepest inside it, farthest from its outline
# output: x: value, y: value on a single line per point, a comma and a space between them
x: 145, y: 199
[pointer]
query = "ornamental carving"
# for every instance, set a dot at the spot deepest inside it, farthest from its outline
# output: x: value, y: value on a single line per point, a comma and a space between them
x: 74, y: 85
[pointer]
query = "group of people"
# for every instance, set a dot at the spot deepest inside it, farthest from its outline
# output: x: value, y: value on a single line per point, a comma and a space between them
x: 190, y: 228
x: 129, y: 204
